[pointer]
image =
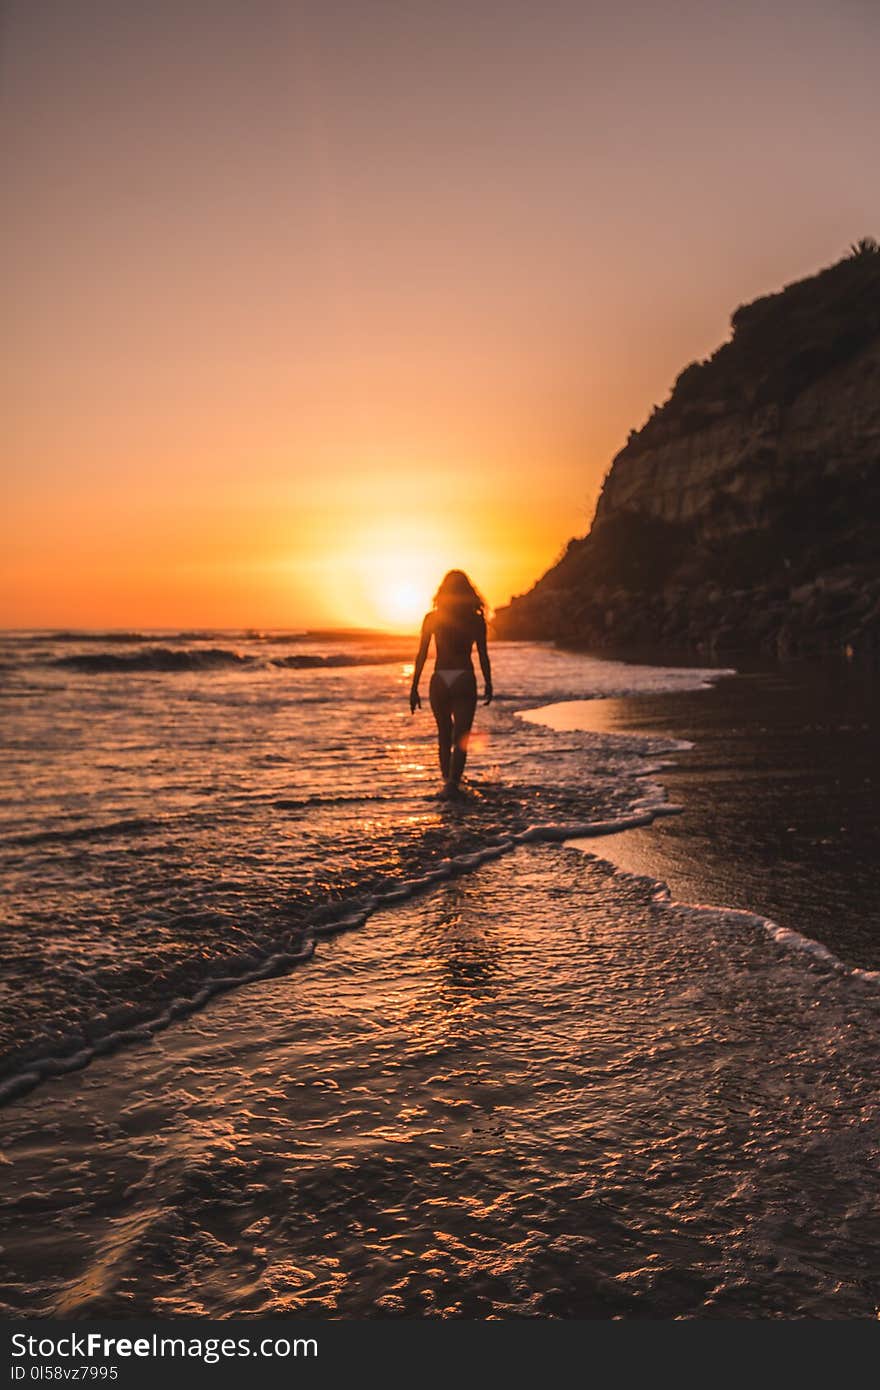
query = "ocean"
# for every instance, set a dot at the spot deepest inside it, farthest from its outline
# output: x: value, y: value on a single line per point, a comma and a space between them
x: 183, y: 810
x: 282, y: 1033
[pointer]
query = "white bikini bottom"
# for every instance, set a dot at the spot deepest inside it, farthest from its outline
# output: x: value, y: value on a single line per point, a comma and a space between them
x: 450, y: 677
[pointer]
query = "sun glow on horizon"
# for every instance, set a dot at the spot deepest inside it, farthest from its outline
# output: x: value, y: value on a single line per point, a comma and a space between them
x: 396, y: 584
x: 403, y: 603
x: 381, y: 579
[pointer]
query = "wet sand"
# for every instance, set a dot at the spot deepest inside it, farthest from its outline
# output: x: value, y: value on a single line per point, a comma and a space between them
x: 781, y: 814
x: 537, y: 1091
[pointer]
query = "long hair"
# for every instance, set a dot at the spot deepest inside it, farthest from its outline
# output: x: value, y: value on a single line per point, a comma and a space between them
x: 458, y: 597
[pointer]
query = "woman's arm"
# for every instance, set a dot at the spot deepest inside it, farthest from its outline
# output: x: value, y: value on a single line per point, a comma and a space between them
x: 485, y: 667
x: 415, y: 700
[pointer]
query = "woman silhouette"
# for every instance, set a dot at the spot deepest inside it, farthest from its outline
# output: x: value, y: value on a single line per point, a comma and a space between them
x: 456, y: 622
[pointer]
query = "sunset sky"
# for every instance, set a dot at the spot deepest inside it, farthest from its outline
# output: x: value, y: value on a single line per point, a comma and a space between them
x: 308, y: 302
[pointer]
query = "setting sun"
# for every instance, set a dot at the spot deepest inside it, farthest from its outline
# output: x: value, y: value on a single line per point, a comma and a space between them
x: 402, y: 603
x: 379, y: 578
x: 397, y: 583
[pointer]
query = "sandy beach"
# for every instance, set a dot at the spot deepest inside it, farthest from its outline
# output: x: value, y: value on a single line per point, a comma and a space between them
x: 778, y: 795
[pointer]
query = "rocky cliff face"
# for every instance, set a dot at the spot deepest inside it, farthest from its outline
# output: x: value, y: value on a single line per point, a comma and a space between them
x: 746, y: 512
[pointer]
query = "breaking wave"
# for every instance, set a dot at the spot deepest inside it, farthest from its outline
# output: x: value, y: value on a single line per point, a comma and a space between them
x: 167, y: 660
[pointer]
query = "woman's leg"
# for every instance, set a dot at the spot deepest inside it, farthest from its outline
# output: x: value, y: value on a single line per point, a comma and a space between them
x: 464, y: 705
x: 441, y: 704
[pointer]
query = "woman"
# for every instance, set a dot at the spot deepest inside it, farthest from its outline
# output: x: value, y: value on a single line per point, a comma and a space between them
x: 457, y: 621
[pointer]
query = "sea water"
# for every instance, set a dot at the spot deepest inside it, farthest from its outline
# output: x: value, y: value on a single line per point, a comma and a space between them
x: 530, y: 1084
x: 180, y: 811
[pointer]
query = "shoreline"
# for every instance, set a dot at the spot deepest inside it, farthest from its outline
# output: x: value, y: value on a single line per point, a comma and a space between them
x: 774, y: 779
x: 639, y: 849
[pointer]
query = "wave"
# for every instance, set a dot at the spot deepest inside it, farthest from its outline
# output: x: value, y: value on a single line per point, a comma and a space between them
x: 125, y: 638
x: 304, y: 662
x: 108, y: 831
x: 786, y: 938
x: 302, y: 803
x: 153, y: 659
x: 337, y: 916
x: 167, y: 660
x: 128, y: 637
x: 329, y: 918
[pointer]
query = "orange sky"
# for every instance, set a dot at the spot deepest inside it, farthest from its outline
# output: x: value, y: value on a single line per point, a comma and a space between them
x: 311, y: 301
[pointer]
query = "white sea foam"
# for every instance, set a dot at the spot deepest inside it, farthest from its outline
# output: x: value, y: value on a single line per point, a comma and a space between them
x: 785, y: 937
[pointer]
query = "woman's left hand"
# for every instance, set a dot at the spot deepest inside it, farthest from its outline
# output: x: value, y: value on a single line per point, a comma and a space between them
x: 488, y: 695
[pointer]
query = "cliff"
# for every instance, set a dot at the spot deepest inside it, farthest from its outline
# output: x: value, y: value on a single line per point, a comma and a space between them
x: 746, y: 511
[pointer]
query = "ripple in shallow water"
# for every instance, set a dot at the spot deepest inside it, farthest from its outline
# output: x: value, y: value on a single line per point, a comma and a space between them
x: 538, y: 1091
x: 162, y: 833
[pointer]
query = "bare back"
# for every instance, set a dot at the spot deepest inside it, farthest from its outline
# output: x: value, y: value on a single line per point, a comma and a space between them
x: 454, y: 638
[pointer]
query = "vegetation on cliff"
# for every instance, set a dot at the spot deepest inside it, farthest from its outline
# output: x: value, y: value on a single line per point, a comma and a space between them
x: 779, y: 345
